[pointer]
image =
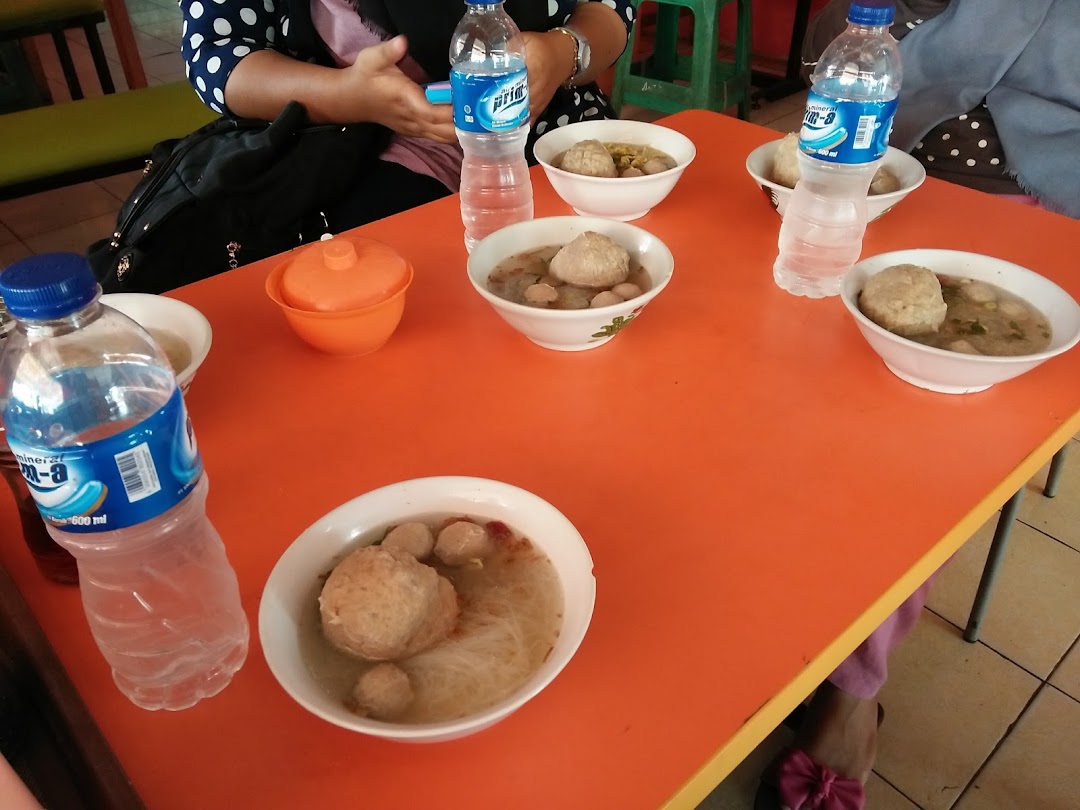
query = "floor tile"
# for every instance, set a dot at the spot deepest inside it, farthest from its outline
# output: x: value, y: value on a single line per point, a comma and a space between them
x: 154, y: 14
x: 767, y: 113
x: 169, y: 34
x: 789, y: 122
x: 880, y: 795
x: 12, y: 252
x: 737, y: 791
x: 1067, y: 676
x: 121, y: 185
x: 631, y: 112
x: 796, y: 101
x: 74, y: 238
x: 49, y: 210
x: 1058, y: 516
x: 947, y: 704
x: 6, y: 236
x: 1036, y: 766
x: 1034, y: 612
x: 167, y: 66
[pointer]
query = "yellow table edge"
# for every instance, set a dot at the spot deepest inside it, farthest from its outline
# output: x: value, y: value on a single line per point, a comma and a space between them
x: 773, y: 713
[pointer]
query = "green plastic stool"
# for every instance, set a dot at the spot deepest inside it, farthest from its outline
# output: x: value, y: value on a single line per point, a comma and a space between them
x: 670, y: 82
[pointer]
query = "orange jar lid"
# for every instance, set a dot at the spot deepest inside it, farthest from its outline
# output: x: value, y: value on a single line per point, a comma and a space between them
x: 342, y: 274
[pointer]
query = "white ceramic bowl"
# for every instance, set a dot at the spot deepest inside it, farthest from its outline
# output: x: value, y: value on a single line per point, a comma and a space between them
x: 907, y: 169
x: 952, y: 372
x: 621, y: 198
x: 579, y: 329
x: 156, y: 312
x: 294, y: 583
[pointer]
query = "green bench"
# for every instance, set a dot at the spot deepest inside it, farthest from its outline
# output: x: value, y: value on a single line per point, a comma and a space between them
x: 53, y: 146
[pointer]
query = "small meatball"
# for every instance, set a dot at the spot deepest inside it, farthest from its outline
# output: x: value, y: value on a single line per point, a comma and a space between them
x: 963, y: 347
x: 655, y: 165
x: 383, y: 692
x: 905, y: 299
x: 626, y: 290
x: 462, y: 542
x: 978, y: 292
x: 605, y: 299
x: 541, y: 294
x: 632, y: 171
x: 1013, y: 309
x: 376, y: 601
x: 786, y: 161
x: 590, y: 158
x: 413, y: 538
x: 591, y: 260
x: 884, y: 182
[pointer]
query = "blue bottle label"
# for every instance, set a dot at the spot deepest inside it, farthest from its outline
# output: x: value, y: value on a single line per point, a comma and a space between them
x: 849, y: 132
x: 485, y: 102
x: 119, y: 481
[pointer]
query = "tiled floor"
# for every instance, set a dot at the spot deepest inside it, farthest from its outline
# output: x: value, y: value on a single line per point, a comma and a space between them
x: 990, y: 726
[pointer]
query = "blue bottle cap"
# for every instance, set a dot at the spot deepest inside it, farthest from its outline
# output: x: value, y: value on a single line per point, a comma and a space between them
x: 53, y: 285
x: 438, y: 93
x: 872, y: 12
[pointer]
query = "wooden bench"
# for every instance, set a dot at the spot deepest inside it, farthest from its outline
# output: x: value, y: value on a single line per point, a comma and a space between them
x: 26, y: 18
x: 53, y: 146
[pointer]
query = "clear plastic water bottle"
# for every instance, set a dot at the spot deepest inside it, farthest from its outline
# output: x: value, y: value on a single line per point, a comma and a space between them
x: 845, y: 133
x: 99, y: 428
x: 490, y: 91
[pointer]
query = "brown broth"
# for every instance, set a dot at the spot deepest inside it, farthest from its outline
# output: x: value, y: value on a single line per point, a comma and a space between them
x: 987, y: 319
x: 175, y: 348
x: 511, y: 616
x: 512, y: 276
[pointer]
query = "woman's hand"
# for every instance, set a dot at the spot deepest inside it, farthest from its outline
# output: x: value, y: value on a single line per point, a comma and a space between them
x: 551, y: 58
x: 375, y: 89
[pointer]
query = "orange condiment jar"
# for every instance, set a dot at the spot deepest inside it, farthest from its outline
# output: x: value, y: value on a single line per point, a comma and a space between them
x: 343, y: 274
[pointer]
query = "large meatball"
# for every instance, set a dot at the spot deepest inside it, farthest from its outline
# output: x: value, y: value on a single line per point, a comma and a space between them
x: 786, y: 161
x: 383, y: 692
x: 378, y: 601
x: 884, y: 182
x: 590, y: 158
x: 440, y: 623
x: 591, y: 260
x: 905, y: 299
x: 462, y: 542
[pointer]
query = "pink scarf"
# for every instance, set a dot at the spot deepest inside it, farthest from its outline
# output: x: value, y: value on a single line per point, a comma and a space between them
x: 345, y: 35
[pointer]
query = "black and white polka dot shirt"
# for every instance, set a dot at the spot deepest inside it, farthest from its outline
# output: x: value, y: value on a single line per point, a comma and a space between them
x: 217, y: 34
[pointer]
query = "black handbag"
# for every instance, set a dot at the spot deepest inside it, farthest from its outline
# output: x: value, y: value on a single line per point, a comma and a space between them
x: 236, y: 191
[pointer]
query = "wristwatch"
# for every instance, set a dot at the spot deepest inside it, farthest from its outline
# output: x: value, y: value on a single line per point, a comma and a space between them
x: 582, y: 53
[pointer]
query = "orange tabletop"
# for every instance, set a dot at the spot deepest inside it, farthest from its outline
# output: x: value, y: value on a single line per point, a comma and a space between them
x: 757, y: 490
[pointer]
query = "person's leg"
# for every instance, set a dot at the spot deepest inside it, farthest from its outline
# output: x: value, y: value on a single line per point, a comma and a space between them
x: 382, y: 190
x: 840, y: 728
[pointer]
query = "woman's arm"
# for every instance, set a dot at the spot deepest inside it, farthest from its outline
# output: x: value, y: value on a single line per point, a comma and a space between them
x: 232, y: 63
x: 552, y: 56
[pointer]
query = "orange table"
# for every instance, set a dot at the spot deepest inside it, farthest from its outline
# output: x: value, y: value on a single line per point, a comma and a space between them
x: 758, y: 492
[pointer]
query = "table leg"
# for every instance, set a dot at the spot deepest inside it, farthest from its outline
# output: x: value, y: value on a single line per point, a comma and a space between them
x: 993, y: 562
x: 126, y: 46
x: 1057, y: 464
